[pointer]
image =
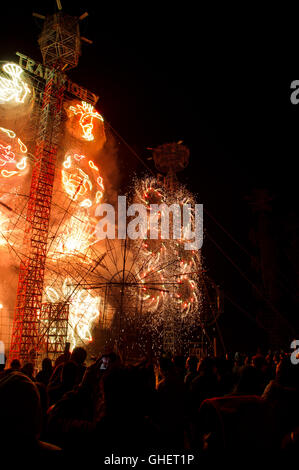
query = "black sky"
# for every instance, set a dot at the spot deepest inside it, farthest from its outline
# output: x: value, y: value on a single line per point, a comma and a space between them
x: 219, y: 80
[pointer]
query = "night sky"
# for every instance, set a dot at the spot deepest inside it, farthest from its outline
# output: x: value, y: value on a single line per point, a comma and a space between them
x: 223, y: 87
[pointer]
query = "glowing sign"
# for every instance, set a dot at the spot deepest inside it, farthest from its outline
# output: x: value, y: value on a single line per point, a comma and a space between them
x: 35, y: 68
x: 14, y: 89
x: 87, y: 115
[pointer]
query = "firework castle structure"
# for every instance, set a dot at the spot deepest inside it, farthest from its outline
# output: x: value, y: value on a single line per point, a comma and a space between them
x: 60, y: 46
x: 131, y: 293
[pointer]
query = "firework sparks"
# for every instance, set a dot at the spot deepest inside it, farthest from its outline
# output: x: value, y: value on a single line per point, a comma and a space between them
x: 84, y: 310
x: 13, y: 88
x: 78, y: 183
x: 13, y: 154
x: 178, y: 284
x: 74, y: 238
x: 87, y: 115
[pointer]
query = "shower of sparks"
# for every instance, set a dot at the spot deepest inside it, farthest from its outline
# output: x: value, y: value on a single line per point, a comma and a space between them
x: 74, y: 238
x: 162, y: 277
x: 84, y: 309
x: 168, y: 274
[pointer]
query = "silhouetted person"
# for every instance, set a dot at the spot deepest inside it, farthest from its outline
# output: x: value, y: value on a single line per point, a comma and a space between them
x: 180, y: 364
x: 235, y: 424
x: 281, y: 396
x: 191, y: 367
x: 44, y: 402
x: 125, y: 423
x: 206, y: 384
x: 69, y: 374
x: 15, y: 364
x: 225, y: 374
x: 78, y: 356
x: 171, y: 404
x: 28, y: 369
x: 71, y: 417
x: 250, y: 382
x: 44, y: 375
x: 20, y: 417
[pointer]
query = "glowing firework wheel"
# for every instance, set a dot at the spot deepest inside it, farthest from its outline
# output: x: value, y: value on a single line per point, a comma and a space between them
x: 143, y: 292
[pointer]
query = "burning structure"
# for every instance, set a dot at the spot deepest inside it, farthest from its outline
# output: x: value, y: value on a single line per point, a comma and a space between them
x: 52, y: 139
x: 49, y: 99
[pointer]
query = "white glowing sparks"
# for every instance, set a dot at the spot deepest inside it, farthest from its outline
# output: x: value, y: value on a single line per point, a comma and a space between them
x: 84, y: 309
x: 13, y: 89
x: 77, y: 235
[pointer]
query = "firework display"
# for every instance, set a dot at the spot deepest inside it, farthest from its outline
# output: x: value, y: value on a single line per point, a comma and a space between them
x: 176, y: 296
x: 66, y: 283
x: 87, y: 186
x: 83, y: 310
x: 87, y: 115
x: 182, y: 265
x: 51, y: 231
x: 158, y: 285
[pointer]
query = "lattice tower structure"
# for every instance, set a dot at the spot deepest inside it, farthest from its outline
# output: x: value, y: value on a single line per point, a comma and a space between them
x: 169, y: 335
x: 25, y: 342
x: 54, y: 328
x: 170, y: 158
x: 60, y: 42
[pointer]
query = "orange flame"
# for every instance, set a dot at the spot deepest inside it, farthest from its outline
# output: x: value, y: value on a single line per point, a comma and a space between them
x: 87, y: 115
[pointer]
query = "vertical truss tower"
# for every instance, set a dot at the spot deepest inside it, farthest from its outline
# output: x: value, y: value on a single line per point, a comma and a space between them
x: 170, y: 158
x: 60, y: 47
x: 54, y: 325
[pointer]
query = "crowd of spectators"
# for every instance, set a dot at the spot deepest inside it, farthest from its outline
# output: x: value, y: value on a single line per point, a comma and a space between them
x: 209, y: 405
